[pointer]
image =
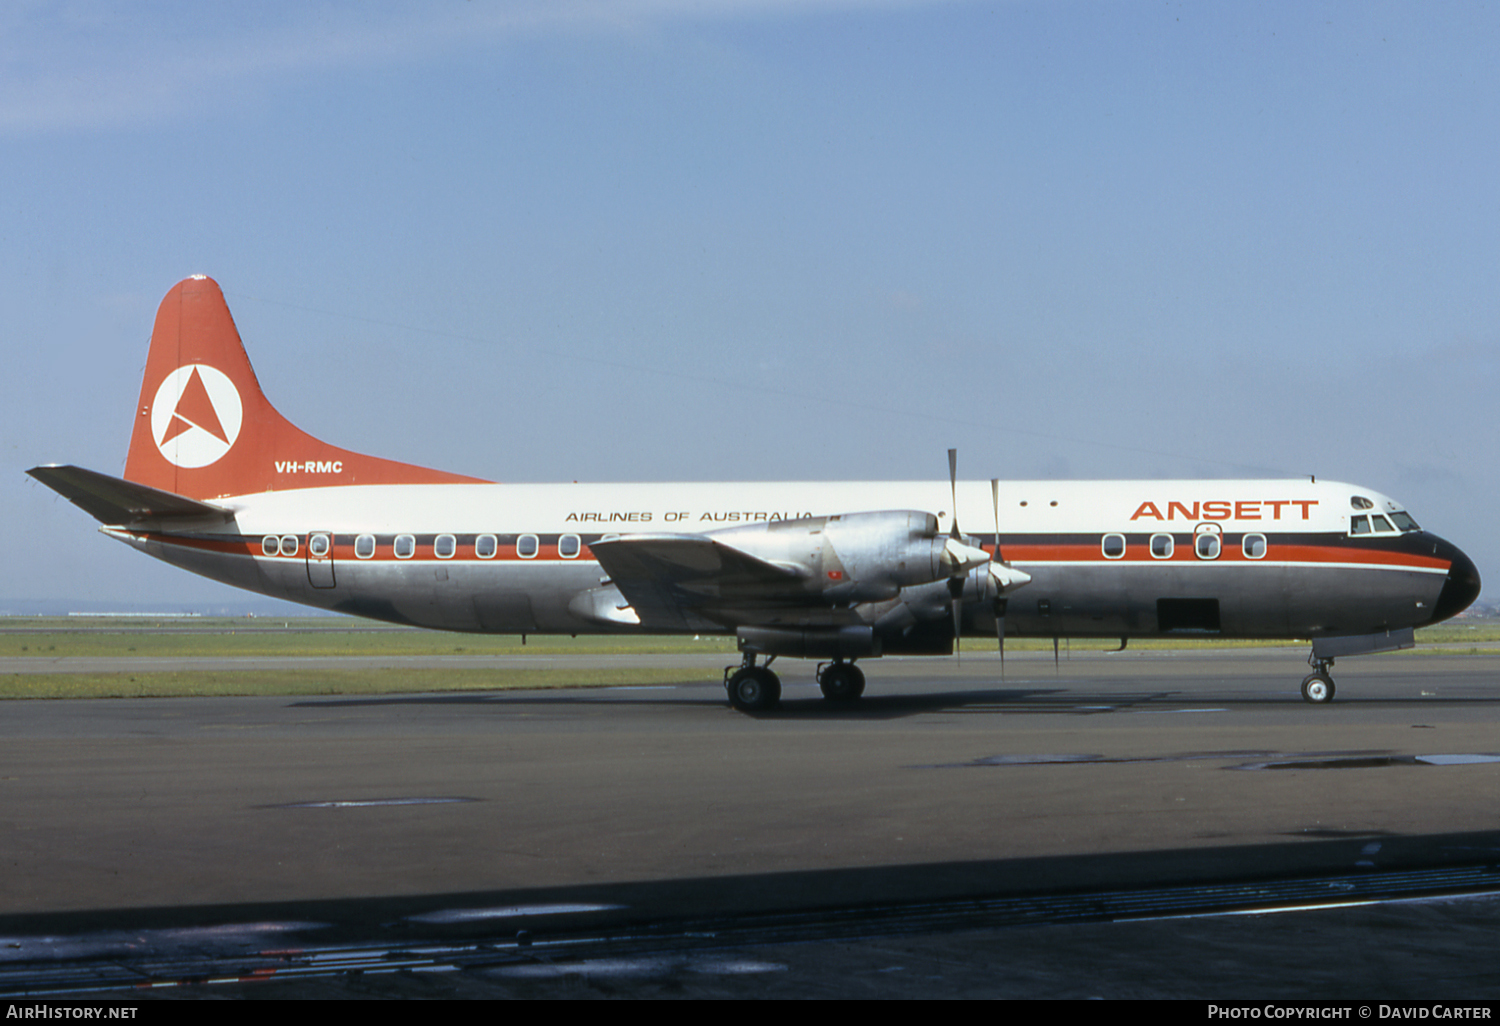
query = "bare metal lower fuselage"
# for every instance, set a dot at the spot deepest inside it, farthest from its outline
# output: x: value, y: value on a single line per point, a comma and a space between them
x: 1310, y: 579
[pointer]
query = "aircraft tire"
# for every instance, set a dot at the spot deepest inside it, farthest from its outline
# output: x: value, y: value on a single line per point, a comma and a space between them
x: 1317, y: 688
x: 754, y: 689
x: 842, y: 682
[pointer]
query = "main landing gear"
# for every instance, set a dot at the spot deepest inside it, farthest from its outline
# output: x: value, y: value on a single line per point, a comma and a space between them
x: 754, y: 688
x: 1317, y: 687
x: 841, y: 681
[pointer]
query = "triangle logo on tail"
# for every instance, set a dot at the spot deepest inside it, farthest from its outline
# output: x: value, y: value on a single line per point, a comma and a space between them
x: 196, y: 416
x: 194, y: 409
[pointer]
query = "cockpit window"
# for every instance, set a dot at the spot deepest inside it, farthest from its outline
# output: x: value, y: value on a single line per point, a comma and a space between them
x: 1360, y: 502
x: 1394, y: 522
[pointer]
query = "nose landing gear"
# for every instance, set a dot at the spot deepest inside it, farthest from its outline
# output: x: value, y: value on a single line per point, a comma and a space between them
x: 1317, y: 687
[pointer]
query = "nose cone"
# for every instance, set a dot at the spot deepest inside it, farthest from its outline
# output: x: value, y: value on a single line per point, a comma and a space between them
x: 1462, y: 586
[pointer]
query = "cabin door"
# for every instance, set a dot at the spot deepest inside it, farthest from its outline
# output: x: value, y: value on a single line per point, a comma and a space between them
x: 320, y: 559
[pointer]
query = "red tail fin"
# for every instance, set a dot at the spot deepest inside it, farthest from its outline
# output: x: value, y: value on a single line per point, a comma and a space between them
x: 204, y: 429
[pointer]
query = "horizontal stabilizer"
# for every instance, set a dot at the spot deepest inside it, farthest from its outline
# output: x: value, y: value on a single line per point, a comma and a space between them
x: 111, y: 500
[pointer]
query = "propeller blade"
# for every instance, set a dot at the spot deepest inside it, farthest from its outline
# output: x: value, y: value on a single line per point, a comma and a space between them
x: 1000, y: 583
x: 958, y: 616
x: 953, y: 483
x: 1000, y: 632
x: 961, y: 555
x: 995, y: 491
x: 956, y: 602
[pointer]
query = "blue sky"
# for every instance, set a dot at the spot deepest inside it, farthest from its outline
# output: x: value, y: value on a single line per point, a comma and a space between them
x: 763, y: 239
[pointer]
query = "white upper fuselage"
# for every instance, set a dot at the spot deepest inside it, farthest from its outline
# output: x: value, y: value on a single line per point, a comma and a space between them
x: 1025, y: 507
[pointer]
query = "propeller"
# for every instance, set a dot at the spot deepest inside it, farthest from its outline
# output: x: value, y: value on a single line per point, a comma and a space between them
x: 1005, y: 577
x: 1000, y: 599
x: 956, y: 584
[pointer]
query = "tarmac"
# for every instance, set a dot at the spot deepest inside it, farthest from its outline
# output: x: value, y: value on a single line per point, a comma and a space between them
x: 598, y: 812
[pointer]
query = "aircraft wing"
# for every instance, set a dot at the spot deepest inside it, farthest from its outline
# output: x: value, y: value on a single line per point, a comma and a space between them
x: 664, y: 576
x: 113, y: 500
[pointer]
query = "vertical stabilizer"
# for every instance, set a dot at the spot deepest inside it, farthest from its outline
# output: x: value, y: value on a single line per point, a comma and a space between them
x: 204, y: 429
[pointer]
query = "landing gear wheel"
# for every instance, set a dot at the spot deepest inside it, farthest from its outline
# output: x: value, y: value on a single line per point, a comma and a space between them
x: 754, y: 689
x: 842, y: 682
x: 1317, y: 688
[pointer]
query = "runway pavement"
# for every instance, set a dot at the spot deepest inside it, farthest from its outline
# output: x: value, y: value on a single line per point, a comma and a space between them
x: 448, y: 813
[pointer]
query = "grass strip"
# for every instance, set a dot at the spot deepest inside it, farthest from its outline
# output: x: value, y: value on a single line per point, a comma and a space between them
x: 326, y: 682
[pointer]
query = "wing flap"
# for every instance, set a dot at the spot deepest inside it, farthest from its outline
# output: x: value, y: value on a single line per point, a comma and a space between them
x: 115, y: 501
x: 664, y: 576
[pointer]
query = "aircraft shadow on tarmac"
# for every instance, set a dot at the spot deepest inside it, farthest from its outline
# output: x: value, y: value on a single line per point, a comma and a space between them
x: 1067, y: 697
x: 870, y: 707
x: 978, y: 701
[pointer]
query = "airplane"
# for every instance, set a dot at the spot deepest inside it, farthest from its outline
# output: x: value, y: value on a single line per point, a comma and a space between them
x: 217, y: 482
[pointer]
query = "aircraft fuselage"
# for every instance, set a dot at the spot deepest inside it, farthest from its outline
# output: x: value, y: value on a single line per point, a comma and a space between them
x: 1106, y: 558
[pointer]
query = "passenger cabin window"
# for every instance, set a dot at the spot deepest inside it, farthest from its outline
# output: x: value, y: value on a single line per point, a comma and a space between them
x: 1114, y: 546
x: 364, y: 546
x: 406, y: 546
x: 527, y: 546
x: 1206, y: 545
x: 1254, y: 546
x: 568, y: 546
x: 270, y: 545
x: 1161, y: 546
x: 289, y: 545
x: 485, y: 547
x: 444, y: 546
x: 318, y: 546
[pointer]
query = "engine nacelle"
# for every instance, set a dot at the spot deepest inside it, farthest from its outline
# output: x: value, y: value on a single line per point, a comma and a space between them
x: 858, y: 557
x: 855, y: 642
